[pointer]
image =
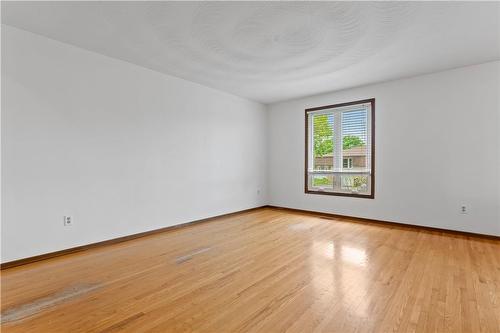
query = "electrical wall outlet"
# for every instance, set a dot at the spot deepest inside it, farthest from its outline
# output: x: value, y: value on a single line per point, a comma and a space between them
x: 463, y: 209
x: 68, y: 220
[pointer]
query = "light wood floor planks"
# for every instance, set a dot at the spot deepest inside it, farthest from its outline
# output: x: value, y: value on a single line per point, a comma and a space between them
x: 267, y: 270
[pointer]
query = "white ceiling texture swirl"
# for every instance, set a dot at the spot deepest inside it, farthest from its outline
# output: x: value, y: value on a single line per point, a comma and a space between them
x: 273, y: 51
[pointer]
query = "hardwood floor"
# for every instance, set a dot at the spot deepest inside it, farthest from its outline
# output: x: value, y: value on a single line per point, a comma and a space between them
x: 267, y: 270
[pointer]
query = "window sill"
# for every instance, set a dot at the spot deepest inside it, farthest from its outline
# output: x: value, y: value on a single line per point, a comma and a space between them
x: 340, y: 194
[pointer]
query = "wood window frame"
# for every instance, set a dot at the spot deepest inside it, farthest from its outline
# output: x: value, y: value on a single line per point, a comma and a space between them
x: 371, y: 101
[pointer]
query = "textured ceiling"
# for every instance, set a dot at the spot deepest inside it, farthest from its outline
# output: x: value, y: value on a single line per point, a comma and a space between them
x: 273, y: 51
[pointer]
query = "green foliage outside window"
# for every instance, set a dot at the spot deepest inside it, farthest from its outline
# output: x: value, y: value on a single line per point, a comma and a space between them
x: 323, y: 137
x: 319, y: 181
x: 351, y: 141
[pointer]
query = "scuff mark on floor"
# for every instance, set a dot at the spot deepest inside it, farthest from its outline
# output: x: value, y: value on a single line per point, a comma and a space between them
x: 189, y: 256
x: 28, y: 309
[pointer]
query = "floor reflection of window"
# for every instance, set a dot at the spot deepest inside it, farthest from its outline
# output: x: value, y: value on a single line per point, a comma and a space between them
x: 354, y: 256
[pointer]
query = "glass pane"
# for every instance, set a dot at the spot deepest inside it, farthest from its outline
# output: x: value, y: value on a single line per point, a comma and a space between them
x: 322, y: 181
x: 354, y: 140
x: 355, y: 183
x: 323, y: 142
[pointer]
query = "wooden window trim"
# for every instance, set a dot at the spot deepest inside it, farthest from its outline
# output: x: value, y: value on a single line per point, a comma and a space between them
x: 306, y: 164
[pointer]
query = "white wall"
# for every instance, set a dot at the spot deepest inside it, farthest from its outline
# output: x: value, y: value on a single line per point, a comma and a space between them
x: 120, y: 148
x: 437, y: 147
x: 124, y: 149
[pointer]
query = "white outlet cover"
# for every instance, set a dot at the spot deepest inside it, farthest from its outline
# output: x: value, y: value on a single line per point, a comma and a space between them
x: 68, y: 220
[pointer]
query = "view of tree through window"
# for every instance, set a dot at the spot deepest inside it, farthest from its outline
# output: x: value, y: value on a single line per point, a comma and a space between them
x: 340, y: 149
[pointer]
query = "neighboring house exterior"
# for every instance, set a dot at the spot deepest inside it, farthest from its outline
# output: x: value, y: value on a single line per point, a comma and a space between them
x: 353, y: 158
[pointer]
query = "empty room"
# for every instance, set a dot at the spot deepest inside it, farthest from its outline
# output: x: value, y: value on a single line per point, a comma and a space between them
x: 250, y: 166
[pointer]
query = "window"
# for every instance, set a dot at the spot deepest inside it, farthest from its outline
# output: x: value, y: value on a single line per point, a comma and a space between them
x: 347, y: 163
x: 340, y: 149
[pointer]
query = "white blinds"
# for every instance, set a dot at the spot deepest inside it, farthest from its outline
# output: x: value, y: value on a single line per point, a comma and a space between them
x: 339, y: 151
